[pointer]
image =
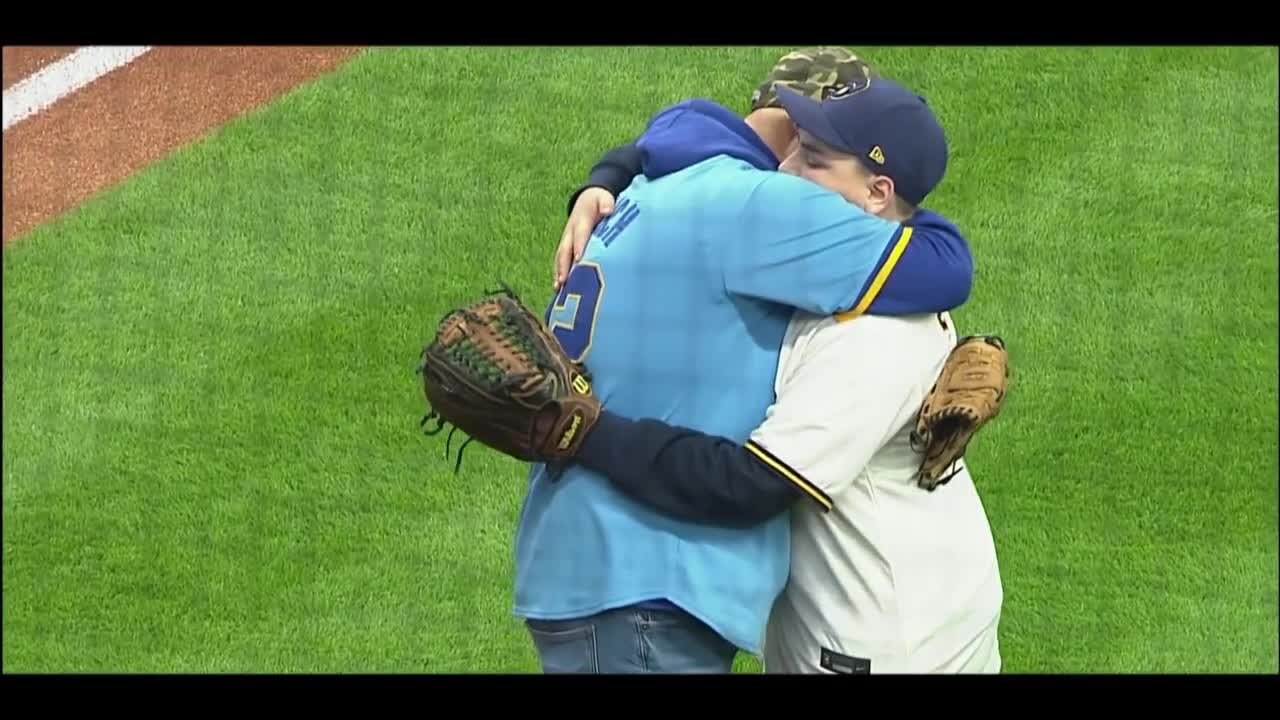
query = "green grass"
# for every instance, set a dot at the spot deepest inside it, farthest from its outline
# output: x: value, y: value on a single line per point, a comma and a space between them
x: 211, y: 452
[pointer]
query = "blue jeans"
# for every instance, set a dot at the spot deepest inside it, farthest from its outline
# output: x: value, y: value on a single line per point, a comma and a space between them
x: 631, y: 640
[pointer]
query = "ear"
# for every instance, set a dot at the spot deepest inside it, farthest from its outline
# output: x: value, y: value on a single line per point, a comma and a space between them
x: 882, y: 191
x: 774, y: 126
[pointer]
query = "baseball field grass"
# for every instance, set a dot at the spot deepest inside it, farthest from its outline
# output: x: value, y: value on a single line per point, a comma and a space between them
x: 212, y: 460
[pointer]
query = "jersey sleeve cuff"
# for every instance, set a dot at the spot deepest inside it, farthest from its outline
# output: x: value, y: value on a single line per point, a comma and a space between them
x: 895, y: 251
x: 789, y: 474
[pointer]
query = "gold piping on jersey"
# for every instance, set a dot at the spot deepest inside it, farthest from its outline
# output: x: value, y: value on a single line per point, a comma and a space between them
x: 881, y: 277
x: 790, y: 475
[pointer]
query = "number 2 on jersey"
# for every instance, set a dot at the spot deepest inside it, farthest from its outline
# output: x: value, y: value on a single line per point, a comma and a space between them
x: 572, y: 317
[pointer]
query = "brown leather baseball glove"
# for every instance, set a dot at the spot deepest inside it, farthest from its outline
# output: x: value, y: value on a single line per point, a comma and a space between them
x: 968, y: 394
x: 495, y: 372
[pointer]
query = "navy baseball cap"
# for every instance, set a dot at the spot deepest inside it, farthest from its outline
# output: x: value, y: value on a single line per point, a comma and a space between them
x: 891, y: 129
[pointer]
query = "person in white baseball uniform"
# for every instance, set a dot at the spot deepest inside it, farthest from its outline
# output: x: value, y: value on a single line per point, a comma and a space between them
x: 885, y: 577
x: 905, y: 579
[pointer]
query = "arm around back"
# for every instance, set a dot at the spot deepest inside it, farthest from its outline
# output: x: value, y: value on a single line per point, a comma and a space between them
x: 614, y: 171
x: 848, y: 387
x: 932, y: 272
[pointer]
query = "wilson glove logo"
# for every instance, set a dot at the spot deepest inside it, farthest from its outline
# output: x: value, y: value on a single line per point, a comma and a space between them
x: 567, y: 438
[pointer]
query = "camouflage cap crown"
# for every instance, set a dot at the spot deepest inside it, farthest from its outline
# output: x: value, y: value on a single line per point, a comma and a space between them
x: 810, y: 71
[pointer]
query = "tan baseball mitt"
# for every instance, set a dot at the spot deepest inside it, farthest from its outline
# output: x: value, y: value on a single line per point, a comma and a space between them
x: 969, y: 393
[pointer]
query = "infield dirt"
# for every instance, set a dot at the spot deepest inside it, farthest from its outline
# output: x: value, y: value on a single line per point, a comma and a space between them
x: 133, y: 116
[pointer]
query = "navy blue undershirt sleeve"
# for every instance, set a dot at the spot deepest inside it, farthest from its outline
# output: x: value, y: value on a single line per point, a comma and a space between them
x: 614, y: 171
x: 686, y: 474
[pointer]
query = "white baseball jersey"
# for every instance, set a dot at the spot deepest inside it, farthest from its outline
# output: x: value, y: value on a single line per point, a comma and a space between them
x: 886, y: 577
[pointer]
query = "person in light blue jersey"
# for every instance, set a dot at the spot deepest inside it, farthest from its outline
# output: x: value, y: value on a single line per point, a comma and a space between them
x: 678, y: 308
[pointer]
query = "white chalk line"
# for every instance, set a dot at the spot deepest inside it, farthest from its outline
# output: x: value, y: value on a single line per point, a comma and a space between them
x: 57, y: 80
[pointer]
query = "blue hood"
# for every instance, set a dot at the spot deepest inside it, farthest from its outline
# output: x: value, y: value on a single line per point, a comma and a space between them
x: 689, y: 132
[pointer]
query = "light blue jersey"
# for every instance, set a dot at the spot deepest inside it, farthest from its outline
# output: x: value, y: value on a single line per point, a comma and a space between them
x: 678, y: 309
